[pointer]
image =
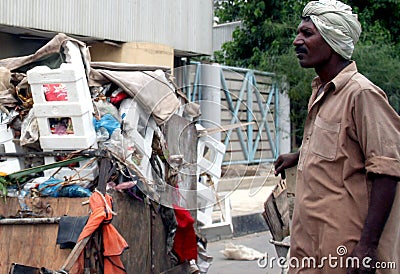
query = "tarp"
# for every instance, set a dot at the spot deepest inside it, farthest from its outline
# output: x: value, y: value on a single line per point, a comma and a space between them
x: 54, y: 46
x: 150, y: 88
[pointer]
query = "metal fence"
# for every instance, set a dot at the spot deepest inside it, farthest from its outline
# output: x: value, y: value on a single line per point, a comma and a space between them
x: 246, y: 96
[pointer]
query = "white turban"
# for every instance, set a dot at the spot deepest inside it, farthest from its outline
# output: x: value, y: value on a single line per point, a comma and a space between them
x: 336, y: 23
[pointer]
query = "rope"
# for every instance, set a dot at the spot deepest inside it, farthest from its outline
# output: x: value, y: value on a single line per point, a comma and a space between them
x: 105, y: 203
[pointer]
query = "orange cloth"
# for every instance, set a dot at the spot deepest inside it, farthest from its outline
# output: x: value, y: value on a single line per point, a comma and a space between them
x: 114, y: 244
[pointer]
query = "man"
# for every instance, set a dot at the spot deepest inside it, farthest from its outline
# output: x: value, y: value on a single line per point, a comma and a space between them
x: 346, y: 210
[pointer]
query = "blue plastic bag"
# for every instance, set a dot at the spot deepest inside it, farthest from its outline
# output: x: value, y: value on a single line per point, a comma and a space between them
x: 74, y: 191
x: 50, y: 187
x: 107, y: 121
x: 53, y: 187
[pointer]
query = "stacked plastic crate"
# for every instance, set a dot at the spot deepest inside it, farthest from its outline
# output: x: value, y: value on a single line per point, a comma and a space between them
x: 140, y: 127
x: 7, y: 145
x: 64, y: 112
x: 210, y: 154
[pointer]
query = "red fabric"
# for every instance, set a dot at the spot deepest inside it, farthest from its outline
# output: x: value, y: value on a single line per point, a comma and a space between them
x: 185, y: 244
x: 118, y: 97
x: 55, y: 92
x: 114, y: 244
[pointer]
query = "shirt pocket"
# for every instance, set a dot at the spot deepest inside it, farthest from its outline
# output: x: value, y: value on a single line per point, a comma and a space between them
x: 325, y: 139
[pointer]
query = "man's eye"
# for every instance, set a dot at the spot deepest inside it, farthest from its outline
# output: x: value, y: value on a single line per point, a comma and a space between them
x: 307, y: 33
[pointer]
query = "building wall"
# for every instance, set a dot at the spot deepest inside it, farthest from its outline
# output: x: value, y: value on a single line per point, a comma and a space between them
x: 185, y: 25
x: 223, y: 33
x: 133, y: 53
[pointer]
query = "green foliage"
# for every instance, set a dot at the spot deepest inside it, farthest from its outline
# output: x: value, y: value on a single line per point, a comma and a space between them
x: 228, y: 10
x: 3, y: 186
x: 382, y: 67
x: 269, y: 28
x: 385, y: 13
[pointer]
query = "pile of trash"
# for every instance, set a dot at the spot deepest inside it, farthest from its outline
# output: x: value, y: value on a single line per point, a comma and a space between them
x: 61, y: 114
x: 56, y: 105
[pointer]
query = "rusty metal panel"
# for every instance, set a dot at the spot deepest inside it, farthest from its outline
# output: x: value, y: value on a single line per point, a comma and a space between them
x: 185, y: 25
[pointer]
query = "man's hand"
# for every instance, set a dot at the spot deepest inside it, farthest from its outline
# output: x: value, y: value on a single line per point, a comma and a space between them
x: 285, y: 161
x: 366, y: 260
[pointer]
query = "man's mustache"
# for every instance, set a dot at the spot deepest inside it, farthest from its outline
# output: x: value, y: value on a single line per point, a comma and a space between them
x: 300, y: 49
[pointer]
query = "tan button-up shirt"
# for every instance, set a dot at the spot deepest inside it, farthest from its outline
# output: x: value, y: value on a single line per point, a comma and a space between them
x: 350, y: 131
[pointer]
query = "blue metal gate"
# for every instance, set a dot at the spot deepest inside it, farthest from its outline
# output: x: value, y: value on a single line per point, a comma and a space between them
x: 246, y: 96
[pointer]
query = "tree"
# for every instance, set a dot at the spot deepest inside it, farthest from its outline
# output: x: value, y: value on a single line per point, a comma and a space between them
x: 265, y: 43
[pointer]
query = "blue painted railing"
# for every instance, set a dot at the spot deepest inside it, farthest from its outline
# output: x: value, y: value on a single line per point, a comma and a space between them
x: 244, y: 98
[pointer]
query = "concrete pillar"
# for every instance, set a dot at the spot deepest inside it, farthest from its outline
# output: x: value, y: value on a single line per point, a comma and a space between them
x: 284, y: 126
x: 210, y: 101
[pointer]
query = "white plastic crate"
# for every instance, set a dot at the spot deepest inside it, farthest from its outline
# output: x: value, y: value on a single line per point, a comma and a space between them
x: 67, y: 142
x: 210, y: 154
x: 6, y: 138
x: 140, y: 128
x: 73, y: 55
x: 82, y: 124
x: 60, y: 108
x: 7, y: 145
x: 139, y: 125
x: 84, y: 171
x: 11, y: 165
x: 67, y: 84
x: 80, y: 134
x: 206, y: 200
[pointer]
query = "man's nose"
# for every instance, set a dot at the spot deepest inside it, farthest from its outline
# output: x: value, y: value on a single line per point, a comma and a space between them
x: 298, y: 41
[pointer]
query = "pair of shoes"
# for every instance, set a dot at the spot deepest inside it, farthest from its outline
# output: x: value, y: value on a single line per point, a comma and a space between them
x: 193, y: 268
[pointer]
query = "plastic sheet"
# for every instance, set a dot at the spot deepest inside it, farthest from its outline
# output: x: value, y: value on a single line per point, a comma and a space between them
x: 54, y: 188
x: 107, y: 121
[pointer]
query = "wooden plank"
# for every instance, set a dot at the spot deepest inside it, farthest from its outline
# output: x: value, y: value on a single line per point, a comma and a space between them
x: 231, y: 75
x: 238, y: 156
x: 75, y: 253
x: 181, y: 138
x: 227, y: 115
x: 144, y: 232
x: 235, y: 156
x: 35, y: 245
x: 234, y: 91
x: 276, y: 212
x: 224, y: 103
x: 222, y: 128
x: 134, y: 224
x: 236, y: 146
x: 234, y: 137
x: 263, y: 80
x: 234, y: 85
x: 241, y: 115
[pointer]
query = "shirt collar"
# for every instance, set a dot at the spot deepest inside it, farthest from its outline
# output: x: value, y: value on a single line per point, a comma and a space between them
x: 337, y: 83
x: 344, y: 76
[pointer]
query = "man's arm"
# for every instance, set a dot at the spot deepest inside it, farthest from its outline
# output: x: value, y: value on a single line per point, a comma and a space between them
x: 382, y: 197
